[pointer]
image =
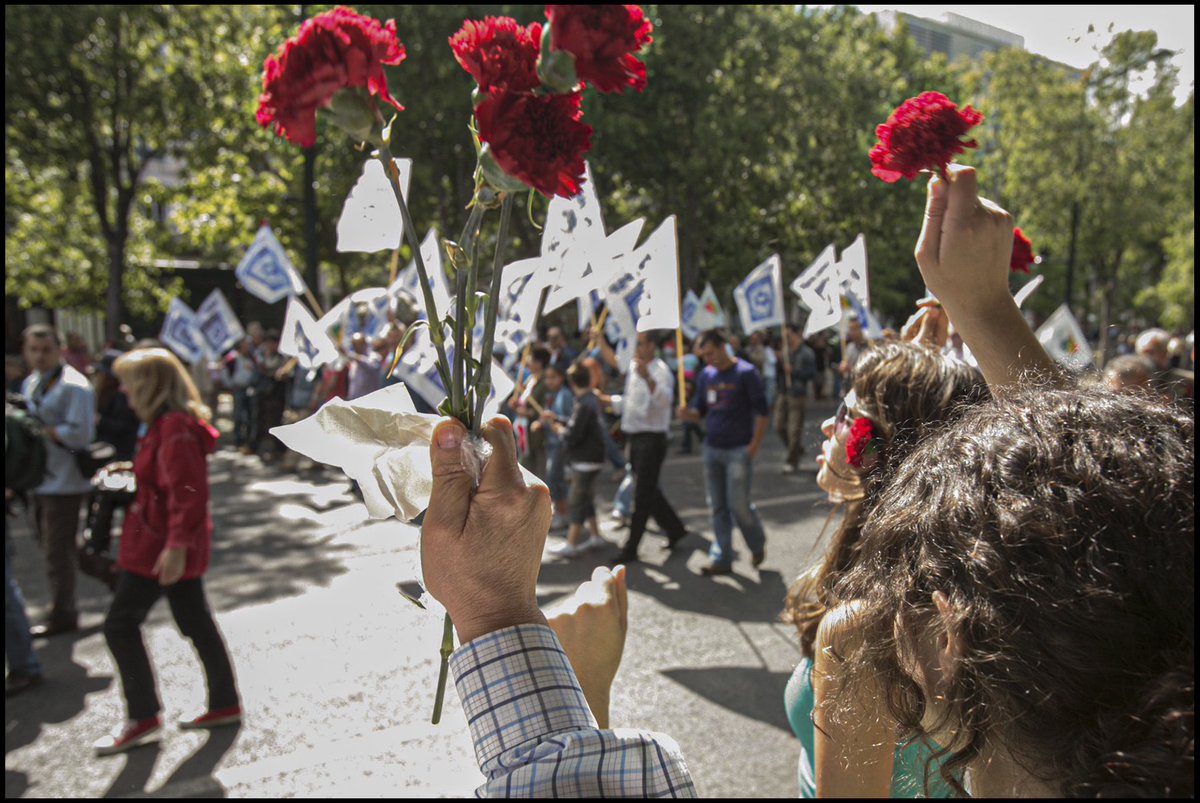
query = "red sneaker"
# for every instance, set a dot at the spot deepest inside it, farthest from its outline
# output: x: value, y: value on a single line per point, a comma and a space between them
x: 214, y: 719
x: 128, y: 736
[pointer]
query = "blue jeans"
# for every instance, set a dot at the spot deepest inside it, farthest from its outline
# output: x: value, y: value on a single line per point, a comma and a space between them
x: 556, y: 474
x: 245, y: 417
x: 727, y: 476
x: 18, y: 645
x: 623, y: 501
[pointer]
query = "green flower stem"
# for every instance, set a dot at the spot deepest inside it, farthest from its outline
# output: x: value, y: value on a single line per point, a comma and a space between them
x: 472, y: 240
x: 444, y: 669
x: 464, y: 285
x: 435, y: 323
x: 484, y: 385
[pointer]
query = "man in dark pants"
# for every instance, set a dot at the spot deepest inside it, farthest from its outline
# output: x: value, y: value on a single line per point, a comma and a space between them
x: 63, y: 400
x: 646, y: 419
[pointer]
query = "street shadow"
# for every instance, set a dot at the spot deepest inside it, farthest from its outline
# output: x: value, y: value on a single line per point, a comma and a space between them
x: 197, y: 770
x: 139, y: 766
x: 58, y: 698
x: 750, y: 691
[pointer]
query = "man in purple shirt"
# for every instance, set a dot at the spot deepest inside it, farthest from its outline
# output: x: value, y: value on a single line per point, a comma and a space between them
x: 730, y: 393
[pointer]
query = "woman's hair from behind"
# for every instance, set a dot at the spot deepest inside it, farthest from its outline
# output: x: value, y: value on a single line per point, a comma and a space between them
x: 907, y: 390
x: 158, y: 383
x: 1059, y: 525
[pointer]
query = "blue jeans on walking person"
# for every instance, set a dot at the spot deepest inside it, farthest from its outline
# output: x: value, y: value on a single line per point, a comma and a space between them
x: 18, y: 644
x: 245, y: 416
x: 727, y: 477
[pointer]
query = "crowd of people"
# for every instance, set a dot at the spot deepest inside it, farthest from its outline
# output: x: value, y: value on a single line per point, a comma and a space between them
x: 1002, y: 608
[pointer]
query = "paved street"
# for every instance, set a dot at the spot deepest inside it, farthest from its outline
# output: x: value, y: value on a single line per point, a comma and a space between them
x: 337, y: 670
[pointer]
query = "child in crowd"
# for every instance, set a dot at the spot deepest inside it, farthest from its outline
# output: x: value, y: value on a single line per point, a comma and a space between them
x: 583, y: 436
x: 560, y: 402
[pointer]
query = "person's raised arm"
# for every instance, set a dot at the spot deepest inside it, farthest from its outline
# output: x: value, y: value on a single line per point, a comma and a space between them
x: 534, y: 734
x: 964, y: 253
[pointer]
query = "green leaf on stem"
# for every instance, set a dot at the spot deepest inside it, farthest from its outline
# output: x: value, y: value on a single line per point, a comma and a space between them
x: 408, y: 333
x: 446, y: 408
x: 410, y: 597
x: 529, y: 209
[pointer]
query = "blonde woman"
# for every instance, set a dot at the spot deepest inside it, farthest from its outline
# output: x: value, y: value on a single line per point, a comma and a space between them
x: 165, y: 547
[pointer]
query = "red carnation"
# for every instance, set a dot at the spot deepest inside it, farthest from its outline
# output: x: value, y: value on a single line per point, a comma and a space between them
x: 499, y: 53
x: 538, y: 140
x: 1022, y: 253
x: 602, y: 39
x: 860, y: 441
x: 923, y: 134
x: 333, y: 51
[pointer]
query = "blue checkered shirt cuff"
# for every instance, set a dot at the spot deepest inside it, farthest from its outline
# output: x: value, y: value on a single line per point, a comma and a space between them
x: 535, y: 736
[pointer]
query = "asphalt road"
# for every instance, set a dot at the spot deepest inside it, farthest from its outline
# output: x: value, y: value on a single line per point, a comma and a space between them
x: 337, y: 670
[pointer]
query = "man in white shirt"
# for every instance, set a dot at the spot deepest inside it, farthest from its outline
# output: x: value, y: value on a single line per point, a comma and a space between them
x: 645, y: 420
x: 63, y: 400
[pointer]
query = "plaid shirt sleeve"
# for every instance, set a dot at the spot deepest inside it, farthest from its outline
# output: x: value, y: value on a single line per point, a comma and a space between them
x: 535, y: 736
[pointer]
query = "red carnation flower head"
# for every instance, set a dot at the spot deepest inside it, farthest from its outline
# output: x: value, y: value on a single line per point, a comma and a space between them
x: 1022, y: 253
x: 860, y: 442
x: 538, y: 140
x: 334, y: 51
x: 925, y: 133
x: 499, y: 53
x: 602, y: 40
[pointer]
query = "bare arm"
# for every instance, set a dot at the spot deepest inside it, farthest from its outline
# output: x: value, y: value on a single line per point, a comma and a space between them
x: 963, y: 252
x: 855, y: 738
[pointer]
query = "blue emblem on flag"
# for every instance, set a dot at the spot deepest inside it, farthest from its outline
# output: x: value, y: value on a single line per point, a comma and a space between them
x: 761, y: 297
x: 305, y: 345
x: 266, y: 270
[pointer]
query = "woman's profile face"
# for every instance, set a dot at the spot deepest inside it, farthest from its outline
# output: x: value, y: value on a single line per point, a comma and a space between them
x: 835, y: 476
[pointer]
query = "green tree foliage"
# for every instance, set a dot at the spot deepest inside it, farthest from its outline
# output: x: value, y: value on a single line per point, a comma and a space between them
x: 1099, y: 175
x: 754, y: 130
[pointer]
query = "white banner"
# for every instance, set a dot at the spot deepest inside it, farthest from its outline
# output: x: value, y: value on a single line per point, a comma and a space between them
x: 759, y: 297
x: 852, y: 271
x: 710, y: 315
x: 218, y: 324
x: 266, y: 271
x: 1063, y: 338
x: 408, y: 282
x: 304, y: 339
x: 181, y: 334
x: 371, y: 218
x: 818, y: 288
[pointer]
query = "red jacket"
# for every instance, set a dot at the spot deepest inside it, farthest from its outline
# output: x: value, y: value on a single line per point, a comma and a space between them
x: 171, y: 506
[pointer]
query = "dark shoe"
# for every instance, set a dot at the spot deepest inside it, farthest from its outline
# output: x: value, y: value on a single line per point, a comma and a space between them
x: 128, y: 736
x: 623, y: 558
x: 673, y: 541
x: 214, y: 719
x: 53, y: 629
x: 17, y: 682
x: 713, y: 569
x: 758, y: 557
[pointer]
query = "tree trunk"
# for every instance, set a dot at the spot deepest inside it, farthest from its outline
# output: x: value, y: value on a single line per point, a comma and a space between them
x: 114, y: 306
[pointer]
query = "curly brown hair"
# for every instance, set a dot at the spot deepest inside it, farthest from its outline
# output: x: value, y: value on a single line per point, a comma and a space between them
x: 1059, y: 524
x: 907, y: 390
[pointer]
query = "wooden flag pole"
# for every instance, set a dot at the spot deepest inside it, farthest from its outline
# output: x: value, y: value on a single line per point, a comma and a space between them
x: 395, y: 270
x: 679, y: 330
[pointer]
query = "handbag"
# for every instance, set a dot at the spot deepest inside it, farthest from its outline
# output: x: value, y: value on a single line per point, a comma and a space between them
x: 93, y: 458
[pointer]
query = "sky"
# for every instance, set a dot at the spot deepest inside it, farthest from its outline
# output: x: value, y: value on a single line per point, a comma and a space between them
x: 1060, y: 32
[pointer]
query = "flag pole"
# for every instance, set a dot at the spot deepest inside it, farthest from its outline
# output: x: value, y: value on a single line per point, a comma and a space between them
x: 395, y: 267
x: 679, y: 329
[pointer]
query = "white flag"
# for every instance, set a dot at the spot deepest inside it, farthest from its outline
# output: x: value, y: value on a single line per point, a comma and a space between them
x: 371, y: 218
x: 852, y: 271
x: 1063, y: 338
x: 266, y: 271
x: 691, y: 307
x: 818, y: 288
x: 218, y: 324
x: 759, y: 297
x: 304, y: 339
x: 710, y: 315
x: 408, y: 282
x: 1025, y: 292
x: 574, y: 227
x: 181, y: 334
x: 657, y: 263
x: 521, y: 287
x: 591, y: 265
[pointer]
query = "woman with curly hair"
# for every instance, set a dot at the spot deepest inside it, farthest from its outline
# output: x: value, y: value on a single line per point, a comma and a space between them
x: 166, y: 543
x: 901, y: 393
x: 1024, y: 590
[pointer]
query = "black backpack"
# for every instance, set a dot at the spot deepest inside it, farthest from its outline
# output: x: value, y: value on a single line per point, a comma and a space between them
x: 24, y: 447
